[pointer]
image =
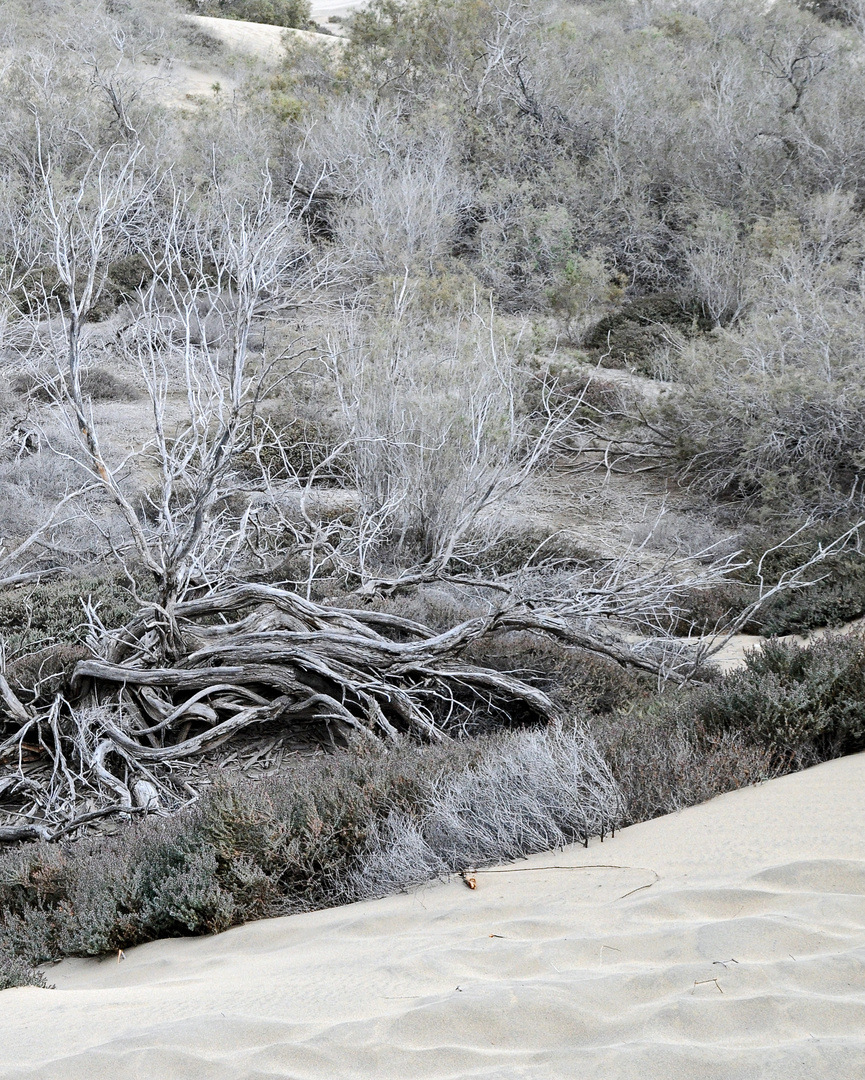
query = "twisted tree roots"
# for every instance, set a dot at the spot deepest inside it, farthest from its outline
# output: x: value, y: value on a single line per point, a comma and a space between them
x: 173, y: 685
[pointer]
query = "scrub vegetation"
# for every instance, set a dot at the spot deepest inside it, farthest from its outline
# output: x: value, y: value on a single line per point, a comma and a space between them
x: 288, y: 371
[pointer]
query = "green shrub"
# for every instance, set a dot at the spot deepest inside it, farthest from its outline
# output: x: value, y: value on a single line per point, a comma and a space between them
x: 846, y: 12
x: 835, y: 597
x: 102, y: 385
x: 41, y: 675
x: 50, y: 615
x: 297, y: 450
x: 665, y: 761
x: 583, y: 286
x: 793, y: 698
x: 633, y: 334
x: 124, y: 277
x: 17, y: 972
x: 98, y: 384
x: 580, y: 683
x: 788, y: 708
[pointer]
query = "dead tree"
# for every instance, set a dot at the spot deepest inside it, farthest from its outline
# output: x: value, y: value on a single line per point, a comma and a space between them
x: 212, y: 655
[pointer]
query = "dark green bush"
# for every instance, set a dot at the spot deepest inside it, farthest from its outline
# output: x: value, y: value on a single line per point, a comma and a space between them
x: 17, y: 972
x: 40, y: 675
x: 98, y: 384
x: 125, y: 276
x: 290, y: 13
x: 789, y: 707
x: 580, y: 683
x: 631, y: 335
x: 835, y: 597
x: 102, y: 385
x: 50, y: 615
x: 841, y: 11
x: 665, y: 761
x: 793, y: 698
x: 297, y: 450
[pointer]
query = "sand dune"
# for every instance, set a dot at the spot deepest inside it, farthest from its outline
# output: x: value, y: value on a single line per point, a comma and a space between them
x: 182, y: 84
x: 258, y: 40
x: 727, y: 941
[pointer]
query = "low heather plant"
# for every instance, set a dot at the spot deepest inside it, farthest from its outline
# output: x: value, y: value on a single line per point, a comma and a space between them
x: 332, y: 830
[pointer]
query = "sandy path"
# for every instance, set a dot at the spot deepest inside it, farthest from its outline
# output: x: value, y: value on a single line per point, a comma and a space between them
x: 742, y: 955
x: 732, y: 654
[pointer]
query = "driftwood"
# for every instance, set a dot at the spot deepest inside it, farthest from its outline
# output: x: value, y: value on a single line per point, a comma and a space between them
x: 285, y: 658
x: 173, y: 686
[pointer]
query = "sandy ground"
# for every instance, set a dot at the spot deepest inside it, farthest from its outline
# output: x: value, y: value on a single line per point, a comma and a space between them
x: 733, y: 652
x: 184, y: 84
x: 724, y: 942
x: 259, y: 40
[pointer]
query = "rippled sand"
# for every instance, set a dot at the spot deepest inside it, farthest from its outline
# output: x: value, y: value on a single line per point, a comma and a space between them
x: 727, y: 941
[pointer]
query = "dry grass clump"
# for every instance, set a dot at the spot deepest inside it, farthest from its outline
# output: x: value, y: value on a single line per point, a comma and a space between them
x: 549, y: 788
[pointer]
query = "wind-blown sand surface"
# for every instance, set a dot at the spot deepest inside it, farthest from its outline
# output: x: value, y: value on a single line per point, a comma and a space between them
x: 727, y: 941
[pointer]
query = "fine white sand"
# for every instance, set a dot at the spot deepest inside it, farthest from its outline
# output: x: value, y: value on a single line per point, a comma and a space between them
x: 727, y: 941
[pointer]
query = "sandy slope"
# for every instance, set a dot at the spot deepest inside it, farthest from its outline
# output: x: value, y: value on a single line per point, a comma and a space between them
x: 740, y: 955
x: 258, y: 40
x: 181, y: 84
